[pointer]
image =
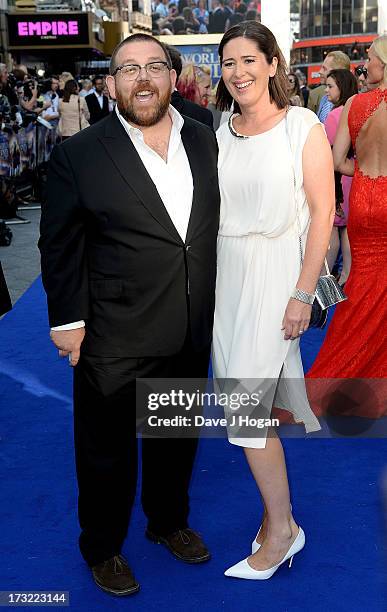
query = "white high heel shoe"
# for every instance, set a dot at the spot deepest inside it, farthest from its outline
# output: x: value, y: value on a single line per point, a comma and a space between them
x: 244, y: 570
x: 256, y: 545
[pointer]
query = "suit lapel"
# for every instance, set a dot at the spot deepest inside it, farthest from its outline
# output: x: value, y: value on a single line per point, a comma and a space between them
x: 177, y: 101
x: 189, y: 138
x: 127, y: 161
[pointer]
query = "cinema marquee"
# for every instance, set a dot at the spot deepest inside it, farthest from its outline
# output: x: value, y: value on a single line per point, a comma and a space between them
x: 53, y: 30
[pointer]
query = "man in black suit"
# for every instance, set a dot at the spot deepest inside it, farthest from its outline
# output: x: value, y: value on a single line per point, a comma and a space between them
x: 218, y: 18
x: 186, y: 107
x: 97, y: 102
x: 129, y: 267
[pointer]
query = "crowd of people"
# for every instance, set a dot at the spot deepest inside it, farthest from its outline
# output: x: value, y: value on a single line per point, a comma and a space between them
x: 24, y: 97
x: 36, y: 114
x: 71, y: 103
x: 193, y: 17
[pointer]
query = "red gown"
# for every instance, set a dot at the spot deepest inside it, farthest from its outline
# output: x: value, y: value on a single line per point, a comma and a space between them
x: 355, y: 345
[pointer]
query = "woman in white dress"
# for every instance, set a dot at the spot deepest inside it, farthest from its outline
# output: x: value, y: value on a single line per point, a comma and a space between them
x: 276, y: 181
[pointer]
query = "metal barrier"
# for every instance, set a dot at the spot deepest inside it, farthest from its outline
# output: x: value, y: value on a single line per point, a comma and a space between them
x: 26, y: 150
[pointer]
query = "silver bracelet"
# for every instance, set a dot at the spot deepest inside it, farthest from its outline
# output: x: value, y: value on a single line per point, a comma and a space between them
x: 303, y: 296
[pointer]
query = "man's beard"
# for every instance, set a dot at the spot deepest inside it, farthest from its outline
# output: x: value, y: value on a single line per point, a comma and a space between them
x: 145, y: 117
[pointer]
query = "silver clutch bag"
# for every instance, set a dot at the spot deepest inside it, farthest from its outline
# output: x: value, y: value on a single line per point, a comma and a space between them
x: 328, y: 291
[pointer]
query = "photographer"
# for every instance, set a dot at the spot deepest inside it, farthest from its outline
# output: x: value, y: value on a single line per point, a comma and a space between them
x: 7, y: 85
x: 51, y: 113
x: 5, y: 107
x: 29, y: 97
x: 9, y: 110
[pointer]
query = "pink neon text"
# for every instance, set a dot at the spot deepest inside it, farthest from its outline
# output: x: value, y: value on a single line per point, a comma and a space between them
x: 42, y: 28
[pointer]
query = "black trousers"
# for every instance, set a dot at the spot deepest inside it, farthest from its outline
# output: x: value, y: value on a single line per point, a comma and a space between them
x: 106, y: 451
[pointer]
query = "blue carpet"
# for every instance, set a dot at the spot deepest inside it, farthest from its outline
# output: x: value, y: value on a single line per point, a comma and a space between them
x: 335, y: 489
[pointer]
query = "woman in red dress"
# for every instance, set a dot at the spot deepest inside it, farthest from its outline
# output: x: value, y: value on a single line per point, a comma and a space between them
x: 355, y: 346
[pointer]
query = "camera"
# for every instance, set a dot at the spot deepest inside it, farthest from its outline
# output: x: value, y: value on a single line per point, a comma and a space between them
x: 28, y: 86
x: 28, y: 118
x: 12, y: 80
x: 45, y: 86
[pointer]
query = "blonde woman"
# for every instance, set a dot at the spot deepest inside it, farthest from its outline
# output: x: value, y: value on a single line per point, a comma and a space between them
x: 194, y: 84
x: 63, y: 78
x: 74, y: 113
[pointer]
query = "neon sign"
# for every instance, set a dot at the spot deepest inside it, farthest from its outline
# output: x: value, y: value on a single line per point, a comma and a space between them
x: 55, y: 30
x: 47, y: 28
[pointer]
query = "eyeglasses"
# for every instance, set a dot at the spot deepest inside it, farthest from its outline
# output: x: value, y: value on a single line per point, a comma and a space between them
x: 130, y: 72
x: 361, y: 70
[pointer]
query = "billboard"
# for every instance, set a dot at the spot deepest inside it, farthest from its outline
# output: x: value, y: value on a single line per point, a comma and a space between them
x: 200, y: 55
x: 198, y: 49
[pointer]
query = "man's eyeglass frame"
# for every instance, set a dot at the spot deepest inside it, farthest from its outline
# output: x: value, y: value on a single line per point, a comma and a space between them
x: 140, y: 66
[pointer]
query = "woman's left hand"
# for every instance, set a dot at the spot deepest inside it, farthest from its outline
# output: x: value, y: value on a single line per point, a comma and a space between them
x: 296, y: 319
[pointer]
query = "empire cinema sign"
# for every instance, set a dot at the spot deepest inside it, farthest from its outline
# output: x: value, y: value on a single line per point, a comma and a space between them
x: 49, y: 30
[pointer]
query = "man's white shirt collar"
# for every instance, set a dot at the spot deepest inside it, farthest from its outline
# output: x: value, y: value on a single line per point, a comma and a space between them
x: 177, y: 122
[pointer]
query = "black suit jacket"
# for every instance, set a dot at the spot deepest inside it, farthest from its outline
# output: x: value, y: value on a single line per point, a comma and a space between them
x: 5, y: 300
x: 96, y: 112
x: 217, y: 21
x: 111, y: 254
x: 190, y: 109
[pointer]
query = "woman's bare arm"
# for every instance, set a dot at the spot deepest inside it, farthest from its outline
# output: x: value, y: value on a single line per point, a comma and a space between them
x: 342, y: 143
x: 319, y: 187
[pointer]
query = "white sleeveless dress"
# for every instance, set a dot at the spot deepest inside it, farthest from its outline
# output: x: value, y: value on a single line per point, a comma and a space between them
x: 259, y: 262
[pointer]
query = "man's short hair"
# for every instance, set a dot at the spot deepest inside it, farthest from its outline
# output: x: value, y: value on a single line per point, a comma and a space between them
x: 340, y: 60
x: 98, y: 77
x: 176, y: 60
x: 136, y: 38
x: 179, y: 25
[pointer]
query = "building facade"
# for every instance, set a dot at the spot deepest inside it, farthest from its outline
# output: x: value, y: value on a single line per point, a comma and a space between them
x: 337, y: 17
x: 326, y: 25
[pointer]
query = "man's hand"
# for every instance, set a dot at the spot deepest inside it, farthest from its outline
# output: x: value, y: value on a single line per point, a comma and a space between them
x: 69, y: 343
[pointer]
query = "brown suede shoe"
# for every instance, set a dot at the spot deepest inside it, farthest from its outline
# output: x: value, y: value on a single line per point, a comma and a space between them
x: 185, y: 544
x: 115, y: 576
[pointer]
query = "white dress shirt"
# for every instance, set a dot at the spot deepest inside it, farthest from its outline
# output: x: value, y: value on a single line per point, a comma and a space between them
x: 54, y: 108
x: 100, y: 98
x: 172, y: 179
